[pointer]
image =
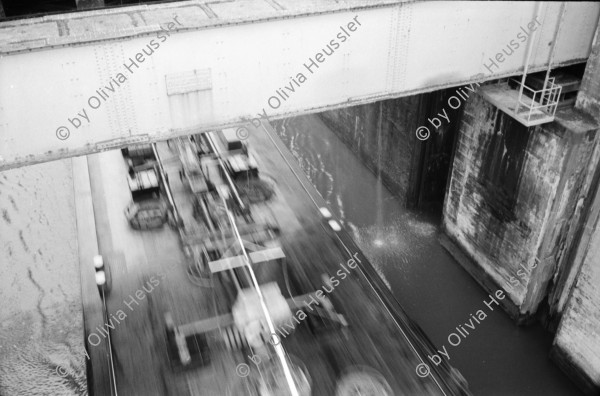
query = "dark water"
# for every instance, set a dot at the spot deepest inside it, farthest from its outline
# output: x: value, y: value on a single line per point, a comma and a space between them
x: 496, y: 357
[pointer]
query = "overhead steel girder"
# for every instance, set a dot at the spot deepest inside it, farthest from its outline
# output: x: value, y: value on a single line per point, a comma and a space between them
x: 206, y: 66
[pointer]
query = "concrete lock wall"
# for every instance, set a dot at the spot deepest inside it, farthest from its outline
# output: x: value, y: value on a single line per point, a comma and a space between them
x: 515, y: 199
x: 574, y: 301
x: 383, y: 136
x: 588, y: 98
x: 576, y: 349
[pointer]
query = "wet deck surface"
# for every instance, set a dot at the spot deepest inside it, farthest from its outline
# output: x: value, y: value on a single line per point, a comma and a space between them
x: 154, y: 273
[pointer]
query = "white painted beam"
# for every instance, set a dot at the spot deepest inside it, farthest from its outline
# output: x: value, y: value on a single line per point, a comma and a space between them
x: 217, y: 68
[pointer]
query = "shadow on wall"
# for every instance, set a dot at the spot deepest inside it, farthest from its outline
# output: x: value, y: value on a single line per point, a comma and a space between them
x: 385, y: 136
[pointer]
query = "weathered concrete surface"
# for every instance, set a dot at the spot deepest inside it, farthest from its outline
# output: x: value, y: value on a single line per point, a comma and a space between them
x: 588, y: 98
x: 380, y: 134
x: 575, y: 300
x: 41, y: 329
x: 577, y: 345
x: 581, y: 210
x: 515, y: 199
x: 383, y: 136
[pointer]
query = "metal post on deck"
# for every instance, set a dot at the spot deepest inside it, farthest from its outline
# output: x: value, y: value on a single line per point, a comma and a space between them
x: 551, y: 99
x: 556, y: 35
x: 111, y: 365
x: 102, y: 285
x: 526, y: 68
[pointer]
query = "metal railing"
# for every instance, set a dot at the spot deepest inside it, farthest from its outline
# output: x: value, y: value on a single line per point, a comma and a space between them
x: 544, y: 100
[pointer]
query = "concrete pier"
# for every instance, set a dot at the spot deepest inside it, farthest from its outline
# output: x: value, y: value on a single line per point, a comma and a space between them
x: 576, y: 347
x: 515, y: 198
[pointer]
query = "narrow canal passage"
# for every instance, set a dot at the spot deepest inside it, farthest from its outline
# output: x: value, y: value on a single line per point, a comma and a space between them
x: 496, y: 357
